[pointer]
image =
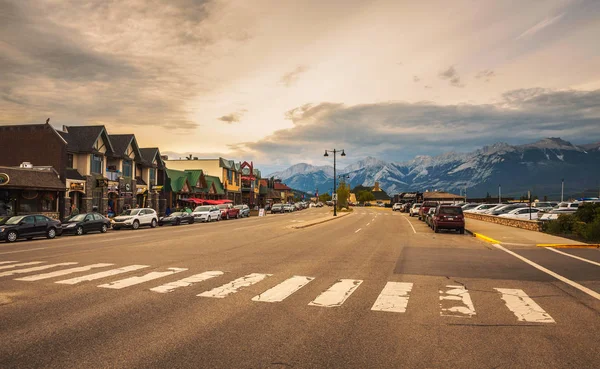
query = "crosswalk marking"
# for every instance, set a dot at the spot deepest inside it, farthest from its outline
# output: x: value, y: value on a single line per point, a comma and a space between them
x: 117, y: 285
x: 34, y: 269
x: 186, y: 282
x: 7, y: 262
x: 21, y: 264
x: 456, y: 302
x: 523, y: 306
x: 60, y: 273
x: 393, y: 298
x: 234, y: 286
x: 337, y: 294
x: 283, y: 290
x: 101, y: 275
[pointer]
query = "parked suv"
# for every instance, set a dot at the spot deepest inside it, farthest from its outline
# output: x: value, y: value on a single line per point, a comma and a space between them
x: 29, y: 226
x: 397, y: 207
x: 449, y: 217
x: 414, y: 209
x: 135, y: 218
x: 228, y: 211
x: 424, y: 209
x: 244, y: 210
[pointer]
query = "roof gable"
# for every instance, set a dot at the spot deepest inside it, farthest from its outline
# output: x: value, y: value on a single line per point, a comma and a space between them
x: 122, y: 143
x: 84, y: 138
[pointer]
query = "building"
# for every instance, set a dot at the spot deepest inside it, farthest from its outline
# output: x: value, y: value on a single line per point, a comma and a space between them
x: 442, y: 196
x: 151, y: 180
x: 380, y: 195
x: 251, y: 180
x: 184, y: 187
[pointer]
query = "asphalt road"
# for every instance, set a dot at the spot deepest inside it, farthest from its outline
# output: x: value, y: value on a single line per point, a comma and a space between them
x: 374, y: 289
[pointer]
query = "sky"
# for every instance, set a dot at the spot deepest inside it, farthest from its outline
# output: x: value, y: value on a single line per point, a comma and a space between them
x: 278, y: 82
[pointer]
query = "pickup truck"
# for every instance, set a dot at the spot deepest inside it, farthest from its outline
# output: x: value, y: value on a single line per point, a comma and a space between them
x: 228, y: 211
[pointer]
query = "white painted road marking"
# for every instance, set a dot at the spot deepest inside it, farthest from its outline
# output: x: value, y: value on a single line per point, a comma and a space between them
x: 234, y: 286
x: 572, y: 256
x: 7, y: 262
x: 21, y: 264
x: 99, y: 275
x: 523, y: 306
x: 411, y: 226
x: 368, y: 224
x: 358, y: 230
x: 283, y: 290
x: 456, y: 302
x: 60, y: 273
x: 186, y: 282
x: 337, y: 294
x: 584, y: 289
x: 393, y: 298
x: 34, y: 269
x: 117, y: 285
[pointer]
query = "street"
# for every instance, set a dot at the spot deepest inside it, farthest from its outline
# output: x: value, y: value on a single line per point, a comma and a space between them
x: 374, y: 289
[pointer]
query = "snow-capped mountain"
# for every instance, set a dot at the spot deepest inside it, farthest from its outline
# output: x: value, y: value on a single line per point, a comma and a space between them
x: 537, y: 167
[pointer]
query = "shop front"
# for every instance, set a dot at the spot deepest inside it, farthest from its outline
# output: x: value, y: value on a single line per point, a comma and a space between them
x: 75, y: 192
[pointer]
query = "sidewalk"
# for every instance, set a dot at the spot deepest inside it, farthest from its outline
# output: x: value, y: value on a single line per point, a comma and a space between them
x: 313, y: 222
x: 512, y: 235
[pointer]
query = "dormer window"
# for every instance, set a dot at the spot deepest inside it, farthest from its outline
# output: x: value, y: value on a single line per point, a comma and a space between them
x: 127, y: 168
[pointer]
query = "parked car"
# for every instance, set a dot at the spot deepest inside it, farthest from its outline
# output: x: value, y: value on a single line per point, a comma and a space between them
x: 506, y: 208
x: 278, y: 208
x: 83, y: 223
x: 29, y: 227
x: 244, y: 210
x: 567, y: 205
x: 522, y: 213
x: 543, y: 206
x: 397, y: 207
x: 414, y: 209
x: 289, y: 208
x: 177, y: 218
x: 206, y: 213
x: 449, y: 217
x: 228, y: 211
x: 429, y: 217
x: 481, y: 208
x: 135, y: 218
x: 424, y: 209
x: 555, y: 213
x: 466, y: 207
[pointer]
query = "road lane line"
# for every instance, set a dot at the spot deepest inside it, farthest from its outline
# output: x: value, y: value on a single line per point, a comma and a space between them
x: 523, y: 306
x: 368, y: 224
x: 60, y: 273
x: 456, y: 302
x: 234, y: 286
x: 358, y: 230
x: 34, y: 269
x: 283, y: 290
x: 7, y: 262
x: 117, y: 285
x: 411, y: 226
x: 572, y: 256
x: 337, y: 294
x: 186, y: 282
x: 99, y: 275
x: 21, y: 264
x: 393, y: 298
x: 584, y: 289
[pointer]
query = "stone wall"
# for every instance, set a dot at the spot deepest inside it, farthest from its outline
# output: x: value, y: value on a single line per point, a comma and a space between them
x: 531, y: 225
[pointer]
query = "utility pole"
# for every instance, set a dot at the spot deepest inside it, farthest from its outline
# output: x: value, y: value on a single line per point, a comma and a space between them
x: 562, y: 190
x: 499, y: 194
x: 529, y: 197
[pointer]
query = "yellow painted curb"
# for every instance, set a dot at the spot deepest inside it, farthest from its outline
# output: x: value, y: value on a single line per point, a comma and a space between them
x: 485, y: 238
x: 561, y: 245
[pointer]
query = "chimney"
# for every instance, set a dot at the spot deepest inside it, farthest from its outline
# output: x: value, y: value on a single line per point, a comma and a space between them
x: 376, y: 187
x: 26, y: 165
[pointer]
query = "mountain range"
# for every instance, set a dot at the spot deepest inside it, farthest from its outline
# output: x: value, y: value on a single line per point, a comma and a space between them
x: 538, y: 167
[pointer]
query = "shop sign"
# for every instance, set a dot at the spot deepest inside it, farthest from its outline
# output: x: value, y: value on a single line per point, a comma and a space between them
x: 126, y: 187
x: 77, y: 187
x: 4, y: 178
x: 261, y: 212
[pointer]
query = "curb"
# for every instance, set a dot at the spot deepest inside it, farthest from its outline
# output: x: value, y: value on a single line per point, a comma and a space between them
x: 565, y: 246
x: 300, y: 226
x: 482, y: 237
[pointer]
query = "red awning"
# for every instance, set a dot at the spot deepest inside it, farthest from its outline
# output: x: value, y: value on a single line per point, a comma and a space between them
x: 193, y: 200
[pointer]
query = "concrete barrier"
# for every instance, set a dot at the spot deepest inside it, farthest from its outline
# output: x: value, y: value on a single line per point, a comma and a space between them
x: 530, y: 225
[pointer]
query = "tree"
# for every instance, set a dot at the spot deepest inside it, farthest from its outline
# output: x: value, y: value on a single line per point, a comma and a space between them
x: 325, y: 197
x: 343, y: 194
x: 365, y: 196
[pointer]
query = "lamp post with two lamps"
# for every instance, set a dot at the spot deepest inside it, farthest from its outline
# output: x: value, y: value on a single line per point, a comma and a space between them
x: 334, y: 151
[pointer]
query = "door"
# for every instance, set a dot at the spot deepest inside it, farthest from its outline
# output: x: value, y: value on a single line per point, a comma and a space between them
x: 41, y: 223
x: 27, y: 227
x: 98, y: 222
x: 89, y: 223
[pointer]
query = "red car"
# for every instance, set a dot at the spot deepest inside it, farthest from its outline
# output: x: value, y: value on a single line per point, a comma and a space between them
x: 424, y: 209
x: 228, y: 211
x: 449, y: 217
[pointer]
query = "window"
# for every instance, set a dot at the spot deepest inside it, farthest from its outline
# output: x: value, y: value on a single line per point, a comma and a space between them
x: 29, y: 220
x: 69, y: 160
x: 39, y: 219
x: 97, y: 162
x: 127, y: 168
x: 229, y: 176
x: 152, y: 176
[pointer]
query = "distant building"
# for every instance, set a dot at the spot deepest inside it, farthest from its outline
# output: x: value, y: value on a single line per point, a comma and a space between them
x: 381, y: 196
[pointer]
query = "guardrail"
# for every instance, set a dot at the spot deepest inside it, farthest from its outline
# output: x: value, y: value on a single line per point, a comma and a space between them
x: 531, y: 225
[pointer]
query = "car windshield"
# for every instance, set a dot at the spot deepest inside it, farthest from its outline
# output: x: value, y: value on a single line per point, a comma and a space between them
x: 223, y: 206
x: 78, y: 218
x: 130, y: 212
x: 430, y: 204
x: 451, y: 210
x: 202, y: 208
x: 14, y: 220
x: 177, y: 214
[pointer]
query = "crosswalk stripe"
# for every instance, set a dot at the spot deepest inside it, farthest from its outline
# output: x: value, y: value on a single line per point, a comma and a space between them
x: 336, y: 294
x: 127, y: 282
x: 186, y: 282
x: 21, y: 264
x: 34, y: 269
x: 523, y: 306
x: 234, y: 286
x: 7, y: 262
x: 456, y: 302
x: 100, y: 275
x: 283, y: 290
x: 60, y: 273
x: 393, y: 298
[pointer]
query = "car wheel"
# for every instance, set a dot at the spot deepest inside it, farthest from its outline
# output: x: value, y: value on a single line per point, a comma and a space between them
x: 227, y: 216
x: 152, y: 223
x: 208, y: 219
x: 436, y: 229
x: 237, y: 216
x: 104, y: 228
x: 11, y: 236
x: 136, y: 224
x: 79, y: 230
x: 51, y: 233
x: 192, y: 221
x: 177, y: 222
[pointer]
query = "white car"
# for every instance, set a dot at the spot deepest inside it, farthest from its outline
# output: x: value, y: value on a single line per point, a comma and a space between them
x: 521, y: 213
x: 553, y: 214
x: 397, y: 207
x: 481, y: 208
x: 414, y: 210
x: 206, y: 213
x: 135, y: 218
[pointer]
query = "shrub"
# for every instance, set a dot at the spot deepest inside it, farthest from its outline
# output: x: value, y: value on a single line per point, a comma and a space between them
x: 588, y: 212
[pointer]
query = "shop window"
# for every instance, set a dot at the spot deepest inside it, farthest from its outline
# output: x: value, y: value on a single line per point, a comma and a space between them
x: 69, y: 160
x: 127, y: 168
x: 97, y: 162
x: 152, y: 176
x: 96, y: 198
x: 47, y: 202
x: 229, y: 176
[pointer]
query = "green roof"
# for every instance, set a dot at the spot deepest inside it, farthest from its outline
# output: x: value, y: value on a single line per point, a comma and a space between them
x: 176, y: 180
x: 218, y: 185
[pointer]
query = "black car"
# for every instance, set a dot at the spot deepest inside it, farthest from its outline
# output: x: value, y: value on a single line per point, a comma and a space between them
x: 29, y: 226
x: 176, y: 218
x: 84, y: 223
x: 278, y: 208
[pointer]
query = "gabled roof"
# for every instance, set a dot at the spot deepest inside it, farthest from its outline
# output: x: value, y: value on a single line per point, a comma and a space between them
x: 210, y: 180
x: 74, y: 174
x: 193, y: 175
x: 281, y: 187
x: 246, y: 171
x: 31, y: 127
x: 35, y: 179
x: 176, y: 180
x: 439, y: 195
x: 120, y: 144
x: 83, y: 138
x: 151, y: 153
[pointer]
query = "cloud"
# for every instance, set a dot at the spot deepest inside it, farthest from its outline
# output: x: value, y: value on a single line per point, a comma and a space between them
x: 428, y: 87
x: 539, y: 26
x: 233, y: 117
x: 290, y: 78
x: 451, y: 75
x: 416, y: 79
x: 486, y: 75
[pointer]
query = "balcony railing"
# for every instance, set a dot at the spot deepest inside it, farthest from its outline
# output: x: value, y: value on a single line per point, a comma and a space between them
x: 113, y: 176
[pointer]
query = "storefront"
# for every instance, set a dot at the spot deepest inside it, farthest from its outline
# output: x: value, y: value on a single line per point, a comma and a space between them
x: 76, y: 192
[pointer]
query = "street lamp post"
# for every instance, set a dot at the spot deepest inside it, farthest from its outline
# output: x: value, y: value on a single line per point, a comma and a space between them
x: 334, y: 151
x: 499, y: 194
x: 562, y: 189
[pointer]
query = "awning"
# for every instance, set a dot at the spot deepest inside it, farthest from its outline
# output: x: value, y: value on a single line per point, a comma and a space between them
x: 193, y: 200
x: 157, y: 188
x: 141, y: 191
